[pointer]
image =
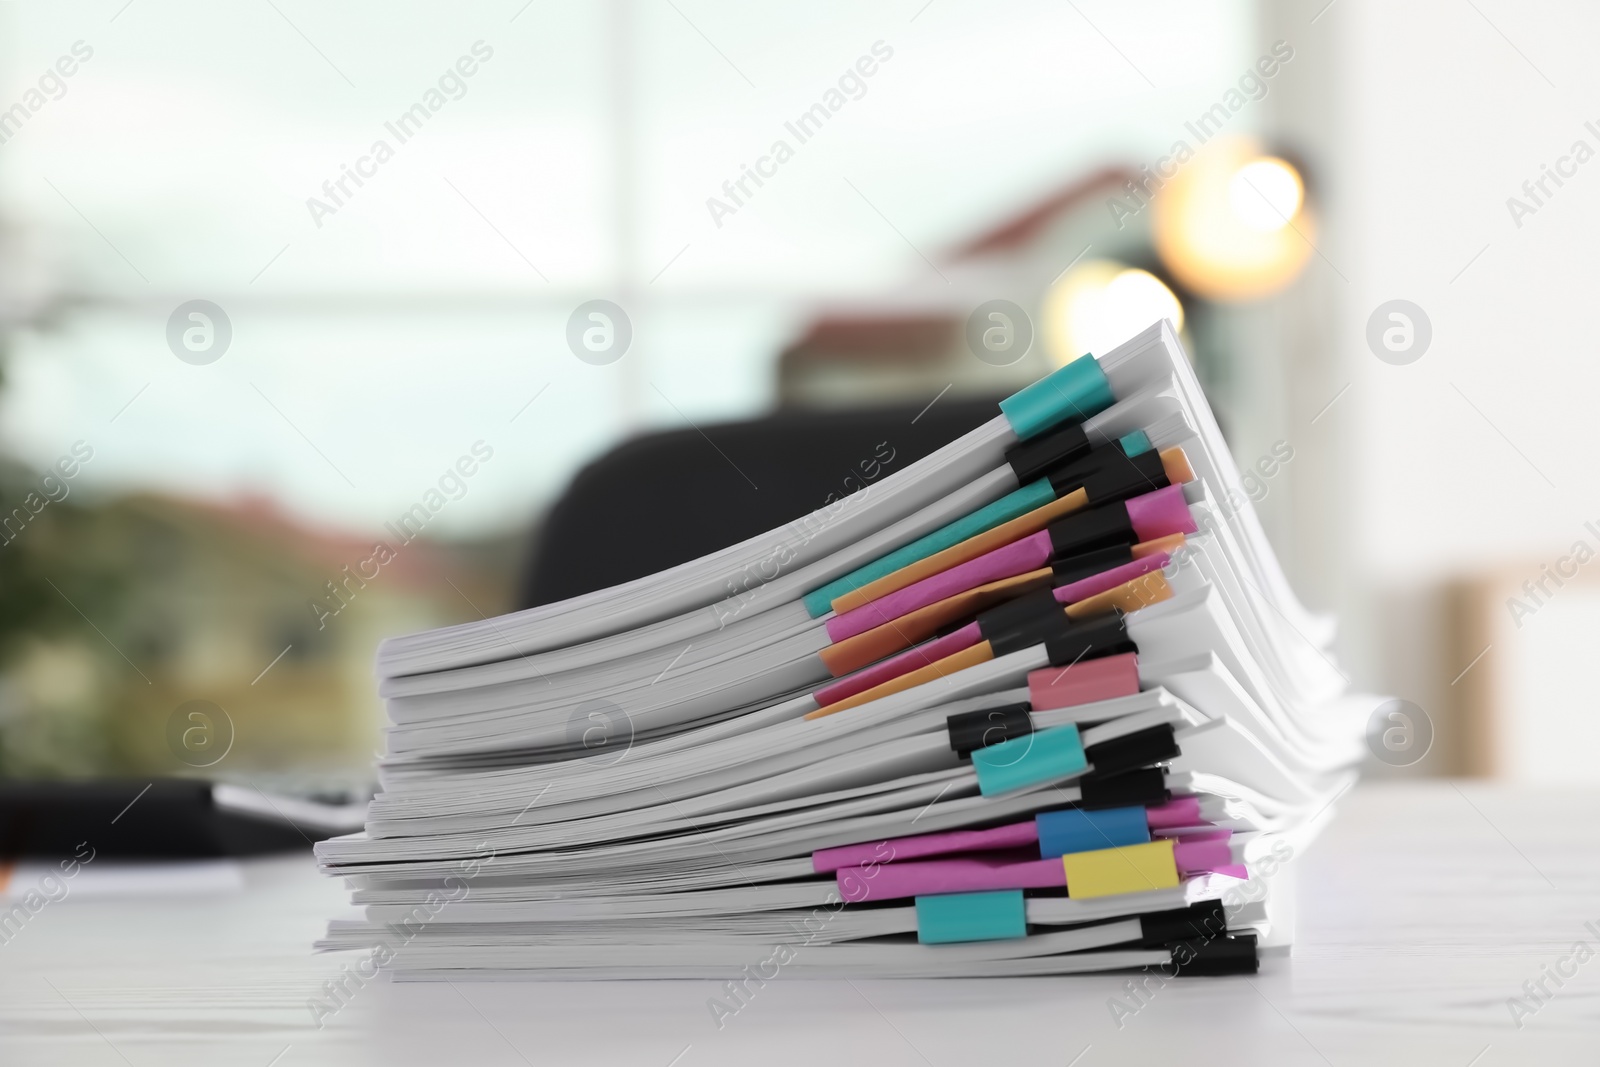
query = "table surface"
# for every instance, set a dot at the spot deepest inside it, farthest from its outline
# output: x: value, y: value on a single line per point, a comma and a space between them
x: 1422, y: 910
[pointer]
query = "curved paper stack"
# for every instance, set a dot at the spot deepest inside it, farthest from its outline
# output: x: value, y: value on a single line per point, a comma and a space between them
x: 1040, y: 703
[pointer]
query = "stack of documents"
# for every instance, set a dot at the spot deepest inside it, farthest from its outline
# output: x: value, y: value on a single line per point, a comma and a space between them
x: 1039, y: 703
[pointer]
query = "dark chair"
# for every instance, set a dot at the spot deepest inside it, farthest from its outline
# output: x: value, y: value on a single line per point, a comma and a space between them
x: 663, y: 498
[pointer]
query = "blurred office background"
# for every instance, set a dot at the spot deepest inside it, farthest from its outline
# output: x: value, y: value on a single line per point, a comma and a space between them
x: 381, y: 334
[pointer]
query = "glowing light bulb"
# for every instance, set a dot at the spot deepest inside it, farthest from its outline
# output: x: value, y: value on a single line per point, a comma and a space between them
x: 1136, y: 298
x: 1265, y: 194
x: 1101, y: 303
x: 1221, y: 225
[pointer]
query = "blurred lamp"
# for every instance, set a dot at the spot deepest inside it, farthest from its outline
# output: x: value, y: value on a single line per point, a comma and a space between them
x: 1099, y: 304
x: 1233, y: 224
x: 1265, y: 194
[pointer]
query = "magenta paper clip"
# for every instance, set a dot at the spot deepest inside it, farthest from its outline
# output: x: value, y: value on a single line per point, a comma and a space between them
x: 1095, y: 584
x: 1179, y: 811
x: 1008, y: 561
x: 1016, y: 835
x: 896, y: 881
x: 1143, y: 518
x: 1202, y: 853
x: 932, y: 651
x: 874, y: 855
x: 904, y: 663
x: 1085, y: 682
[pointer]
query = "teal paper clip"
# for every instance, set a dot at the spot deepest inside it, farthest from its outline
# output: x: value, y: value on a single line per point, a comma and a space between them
x: 1029, y: 760
x: 950, y: 917
x: 1074, y: 392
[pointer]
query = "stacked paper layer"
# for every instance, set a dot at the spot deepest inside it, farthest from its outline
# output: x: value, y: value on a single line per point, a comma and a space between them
x: 1039, y: 703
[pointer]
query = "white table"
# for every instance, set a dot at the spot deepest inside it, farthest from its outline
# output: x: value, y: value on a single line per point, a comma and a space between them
x: 1422, y: 910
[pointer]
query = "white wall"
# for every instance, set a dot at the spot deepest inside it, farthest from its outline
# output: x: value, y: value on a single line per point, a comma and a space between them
x: 1476, y: 456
